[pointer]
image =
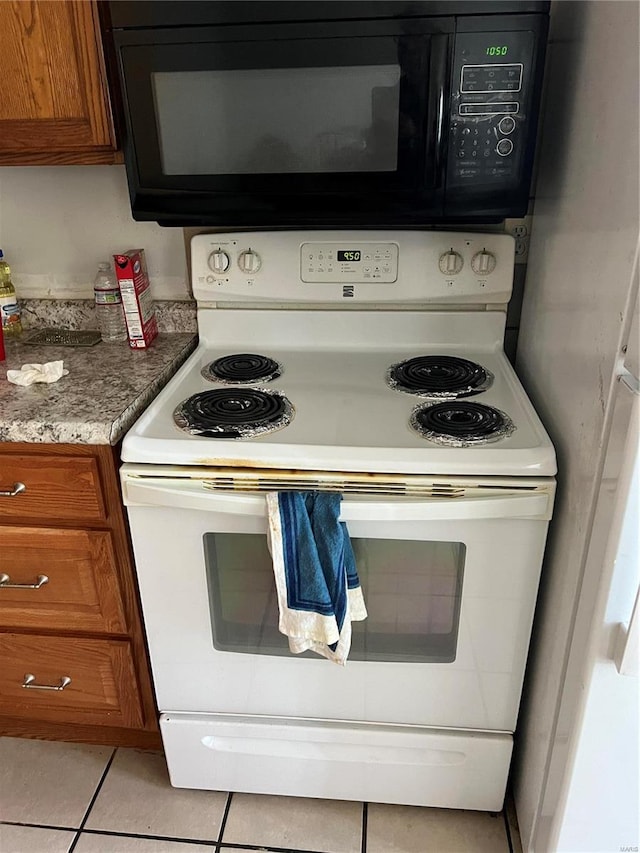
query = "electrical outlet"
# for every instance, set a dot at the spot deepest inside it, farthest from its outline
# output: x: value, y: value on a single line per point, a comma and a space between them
x: 520, y: 229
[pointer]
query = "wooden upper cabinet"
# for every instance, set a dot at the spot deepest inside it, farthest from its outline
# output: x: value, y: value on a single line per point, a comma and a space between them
x: 54, y: 100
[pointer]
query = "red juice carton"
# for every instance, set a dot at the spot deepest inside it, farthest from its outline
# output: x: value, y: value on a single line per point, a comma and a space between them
x: 139, y: 311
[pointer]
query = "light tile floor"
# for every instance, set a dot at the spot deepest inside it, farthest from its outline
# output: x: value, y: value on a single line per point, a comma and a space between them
x: 70, y: 798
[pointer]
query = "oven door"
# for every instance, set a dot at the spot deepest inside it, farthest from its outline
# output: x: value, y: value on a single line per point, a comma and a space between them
x: 450, y: 586
x: 264, y: 124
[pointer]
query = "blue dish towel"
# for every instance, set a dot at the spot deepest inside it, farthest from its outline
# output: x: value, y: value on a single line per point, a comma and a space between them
x: 319, y: 593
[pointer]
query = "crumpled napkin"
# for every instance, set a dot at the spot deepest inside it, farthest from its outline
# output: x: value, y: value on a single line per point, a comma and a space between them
x: 30, y: 373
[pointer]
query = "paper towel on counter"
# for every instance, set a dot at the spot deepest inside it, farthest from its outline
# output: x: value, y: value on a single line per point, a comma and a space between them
x: 30, y: 373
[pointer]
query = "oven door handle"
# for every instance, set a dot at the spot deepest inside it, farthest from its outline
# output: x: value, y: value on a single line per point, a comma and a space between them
x: 194, y: 494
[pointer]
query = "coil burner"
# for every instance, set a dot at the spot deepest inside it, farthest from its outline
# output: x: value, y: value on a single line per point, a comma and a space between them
x: 460, y: 423
x: 440, y: 377
x: 243, y: 368
x: 234, y: 413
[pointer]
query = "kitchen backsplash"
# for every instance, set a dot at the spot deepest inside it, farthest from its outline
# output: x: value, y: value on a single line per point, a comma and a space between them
x: 173, y: 315
x: 58, y: 222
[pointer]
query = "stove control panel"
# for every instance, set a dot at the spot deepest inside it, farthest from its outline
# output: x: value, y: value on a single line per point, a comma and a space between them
x: 349, y: 262
x: 436, y: 268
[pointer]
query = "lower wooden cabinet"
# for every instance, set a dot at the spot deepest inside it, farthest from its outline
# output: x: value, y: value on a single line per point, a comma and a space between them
x: 60, y: 579
x: 73, y: 659
x: 69, y: 678
x: 50, y: 489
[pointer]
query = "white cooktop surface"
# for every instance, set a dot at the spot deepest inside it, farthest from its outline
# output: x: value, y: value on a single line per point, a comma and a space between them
x: 334, y: 367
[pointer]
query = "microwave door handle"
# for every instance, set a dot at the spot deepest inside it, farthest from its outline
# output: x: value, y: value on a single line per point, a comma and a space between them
x: 438, y: 98
x: 194, y: 494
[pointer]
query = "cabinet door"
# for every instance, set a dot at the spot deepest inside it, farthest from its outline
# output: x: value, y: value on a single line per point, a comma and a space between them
x: 54, y: 104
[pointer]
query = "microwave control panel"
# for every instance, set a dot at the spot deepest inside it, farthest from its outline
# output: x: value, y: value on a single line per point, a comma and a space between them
x: 489, y: 120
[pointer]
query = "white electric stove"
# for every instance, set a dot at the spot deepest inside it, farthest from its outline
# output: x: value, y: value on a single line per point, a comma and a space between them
x: 370, y: 363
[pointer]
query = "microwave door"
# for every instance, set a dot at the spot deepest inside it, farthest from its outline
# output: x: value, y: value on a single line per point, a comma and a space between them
x: 286, y: 124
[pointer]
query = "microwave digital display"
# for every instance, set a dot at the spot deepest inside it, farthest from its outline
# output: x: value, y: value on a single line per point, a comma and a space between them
x: 349, y: 255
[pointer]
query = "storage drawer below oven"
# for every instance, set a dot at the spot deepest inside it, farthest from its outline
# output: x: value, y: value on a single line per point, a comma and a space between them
x: 384, y: 764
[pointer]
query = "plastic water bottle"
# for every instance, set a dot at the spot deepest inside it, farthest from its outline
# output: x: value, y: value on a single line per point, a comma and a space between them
x: 9, y: 308
x: 109, y: 305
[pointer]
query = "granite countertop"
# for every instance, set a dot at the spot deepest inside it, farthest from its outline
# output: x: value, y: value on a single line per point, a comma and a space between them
x: 108, y: 387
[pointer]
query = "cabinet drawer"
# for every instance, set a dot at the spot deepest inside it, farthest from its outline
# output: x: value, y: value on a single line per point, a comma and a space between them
x: 60, y: 488
x: 59, y: 579
x: 102, y: 689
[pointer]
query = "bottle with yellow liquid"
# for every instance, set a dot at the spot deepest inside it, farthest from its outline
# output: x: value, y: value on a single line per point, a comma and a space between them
x: 9, y: 308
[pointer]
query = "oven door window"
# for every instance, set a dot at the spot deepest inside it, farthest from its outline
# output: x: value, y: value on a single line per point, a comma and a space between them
x: 257, y: 111
x: 412, y: 591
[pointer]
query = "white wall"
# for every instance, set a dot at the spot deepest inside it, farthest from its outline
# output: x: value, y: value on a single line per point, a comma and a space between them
x: 573, y: 317
x: 58, y: 222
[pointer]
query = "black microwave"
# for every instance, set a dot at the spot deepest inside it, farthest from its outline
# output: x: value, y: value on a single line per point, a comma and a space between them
x: 329, y: 114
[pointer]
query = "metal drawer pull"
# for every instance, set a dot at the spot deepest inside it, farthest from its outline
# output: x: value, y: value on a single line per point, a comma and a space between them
x: 29, y: 678
x: 16, y: 490
x: 5, y: 583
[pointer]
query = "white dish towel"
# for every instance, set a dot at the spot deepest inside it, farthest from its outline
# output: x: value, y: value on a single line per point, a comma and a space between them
x: 50, y: 371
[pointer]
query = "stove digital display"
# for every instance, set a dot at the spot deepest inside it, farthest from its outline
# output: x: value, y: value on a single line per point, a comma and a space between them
x: 349, y: 254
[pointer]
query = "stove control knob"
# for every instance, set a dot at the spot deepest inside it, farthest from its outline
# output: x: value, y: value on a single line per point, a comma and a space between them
x: 249, y: 261
x: 451, y: 262
x: 483, y: 263
x: 219, y: 261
